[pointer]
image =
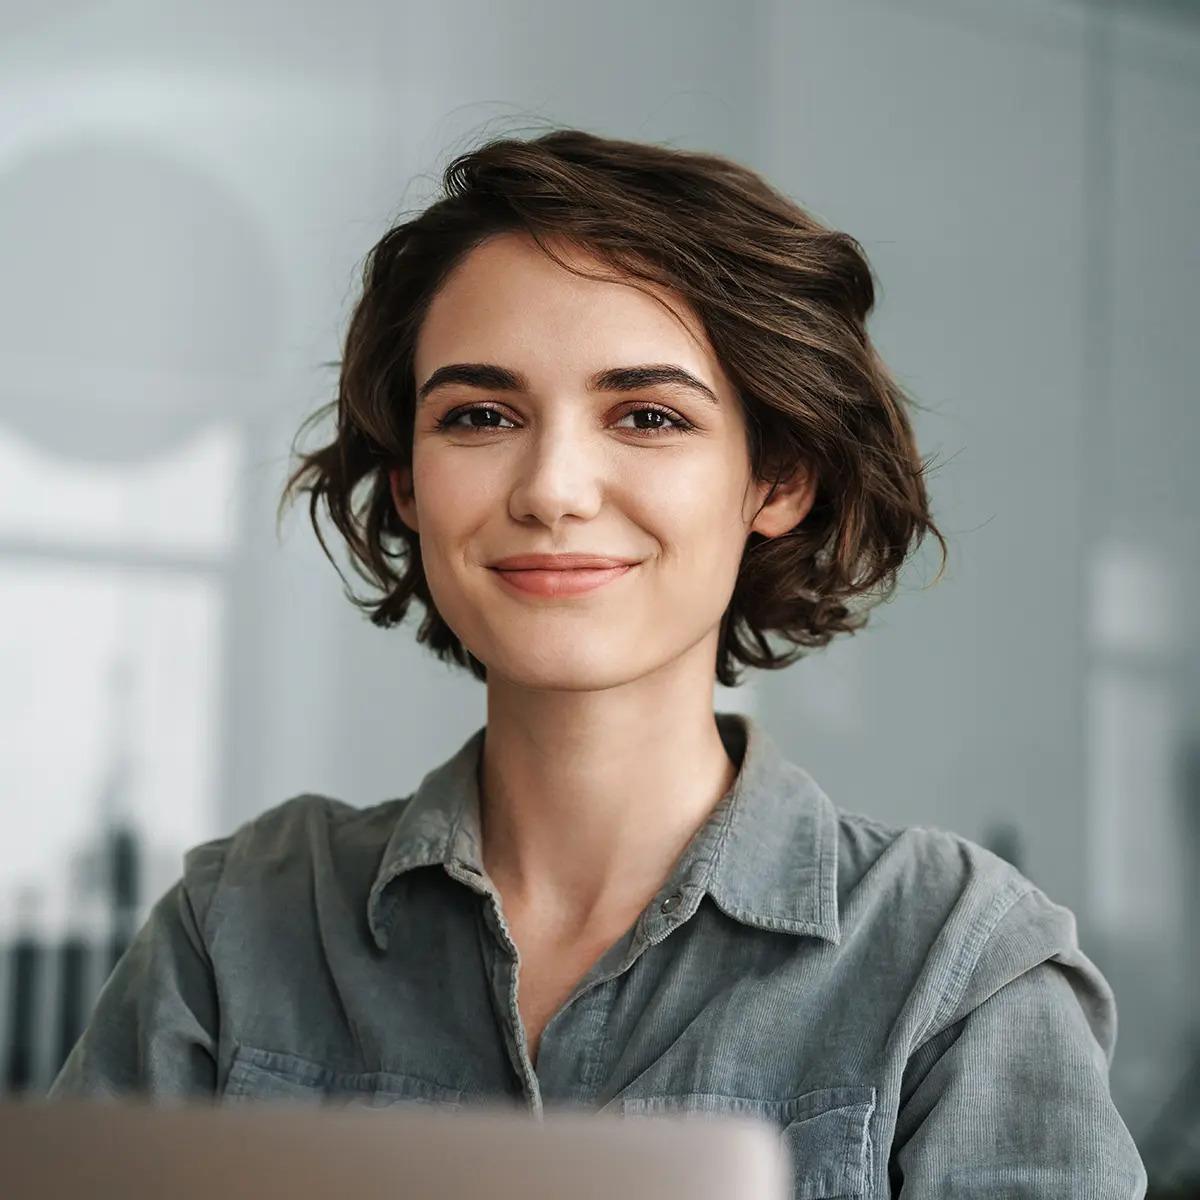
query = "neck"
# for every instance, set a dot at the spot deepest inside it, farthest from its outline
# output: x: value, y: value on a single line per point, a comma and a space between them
x: 588, y: 799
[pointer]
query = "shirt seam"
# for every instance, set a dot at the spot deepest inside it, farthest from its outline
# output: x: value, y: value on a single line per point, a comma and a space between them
x: 963, y: 967
x: 203, y: 925
x: 819, y: 894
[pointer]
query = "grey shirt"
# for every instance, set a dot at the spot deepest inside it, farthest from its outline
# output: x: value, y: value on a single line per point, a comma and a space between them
x: 911, y: 1011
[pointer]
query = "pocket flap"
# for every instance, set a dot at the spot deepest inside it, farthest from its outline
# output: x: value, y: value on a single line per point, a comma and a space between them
x: 831, y: 1151
x: 827, y: 1132
x: 274, y: 1075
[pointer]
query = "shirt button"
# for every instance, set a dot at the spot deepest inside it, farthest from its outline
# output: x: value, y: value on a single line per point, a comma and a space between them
x: 671, y: 903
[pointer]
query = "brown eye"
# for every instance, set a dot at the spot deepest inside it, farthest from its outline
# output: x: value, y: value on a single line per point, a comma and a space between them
x: 671, y: 422
x: 450, y: 421
x: 660, y: 423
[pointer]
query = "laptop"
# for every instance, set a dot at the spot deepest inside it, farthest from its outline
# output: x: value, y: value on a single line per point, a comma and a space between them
x: 136, y: 1149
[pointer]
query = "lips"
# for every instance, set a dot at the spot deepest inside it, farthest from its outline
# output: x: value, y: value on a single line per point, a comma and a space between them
x: 561, y: 582
x: 559, y: 562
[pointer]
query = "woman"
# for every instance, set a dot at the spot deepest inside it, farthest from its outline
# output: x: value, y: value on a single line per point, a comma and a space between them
x: 610, y: 413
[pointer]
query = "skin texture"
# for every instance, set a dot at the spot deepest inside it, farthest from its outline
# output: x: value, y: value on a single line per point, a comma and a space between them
x: 601, y: 758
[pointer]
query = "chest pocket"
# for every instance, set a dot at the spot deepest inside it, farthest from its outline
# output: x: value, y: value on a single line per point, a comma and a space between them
x: 827, y: 1133
x: 272, y: 1075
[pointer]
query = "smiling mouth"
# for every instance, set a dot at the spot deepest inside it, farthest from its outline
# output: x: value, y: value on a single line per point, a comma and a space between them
x: 572, y: 581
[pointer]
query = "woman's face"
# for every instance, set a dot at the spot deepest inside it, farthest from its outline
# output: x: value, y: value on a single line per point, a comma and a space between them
x: 566, y: 461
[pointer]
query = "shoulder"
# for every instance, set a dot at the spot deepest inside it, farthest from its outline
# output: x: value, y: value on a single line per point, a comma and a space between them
x: 976, y: 920
x: 287, y: 852
x: 943, y: 868
x: 952, y: 878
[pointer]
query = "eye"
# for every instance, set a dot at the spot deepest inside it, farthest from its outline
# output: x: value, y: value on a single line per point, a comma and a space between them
x: 677, y: 424
x: 451, y: 419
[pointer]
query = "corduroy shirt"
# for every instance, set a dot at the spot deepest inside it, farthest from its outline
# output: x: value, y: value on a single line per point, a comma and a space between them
x: 912, y: 1012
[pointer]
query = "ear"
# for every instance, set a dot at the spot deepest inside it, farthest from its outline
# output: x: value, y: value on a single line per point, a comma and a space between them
x: 788, y: 506
x: 400, y: 486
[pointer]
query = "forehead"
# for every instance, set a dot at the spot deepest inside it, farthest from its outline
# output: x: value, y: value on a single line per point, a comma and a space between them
x: 508, y: 301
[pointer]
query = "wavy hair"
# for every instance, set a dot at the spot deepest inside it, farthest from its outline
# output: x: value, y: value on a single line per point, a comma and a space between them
x: 784, y: 301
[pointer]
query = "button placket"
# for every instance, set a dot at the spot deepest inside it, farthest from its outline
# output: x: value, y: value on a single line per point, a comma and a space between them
x: 503, y: 959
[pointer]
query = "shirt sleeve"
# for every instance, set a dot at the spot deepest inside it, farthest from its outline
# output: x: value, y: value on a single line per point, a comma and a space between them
x: 1010, y: 1096
x: 153, y: 1029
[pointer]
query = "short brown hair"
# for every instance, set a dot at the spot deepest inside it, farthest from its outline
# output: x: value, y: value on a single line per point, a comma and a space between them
x: 784, y: 301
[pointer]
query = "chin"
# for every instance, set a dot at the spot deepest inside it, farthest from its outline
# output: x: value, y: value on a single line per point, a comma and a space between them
x: 570, y: 671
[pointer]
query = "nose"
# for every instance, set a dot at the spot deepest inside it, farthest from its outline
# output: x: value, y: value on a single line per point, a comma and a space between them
x: 561, y: 474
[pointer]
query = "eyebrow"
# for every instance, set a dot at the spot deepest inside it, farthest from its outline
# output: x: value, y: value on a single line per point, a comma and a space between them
x: 612, y: 379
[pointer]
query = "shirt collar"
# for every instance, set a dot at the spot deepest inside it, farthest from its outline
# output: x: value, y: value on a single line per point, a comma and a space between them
x: 767, y: 853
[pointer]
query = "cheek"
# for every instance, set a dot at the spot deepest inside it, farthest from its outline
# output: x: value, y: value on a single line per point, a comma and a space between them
x: 698, y: 517
x: 449, y: 497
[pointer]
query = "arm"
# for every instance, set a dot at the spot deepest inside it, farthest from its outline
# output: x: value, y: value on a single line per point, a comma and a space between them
x: 153, y: 1029
x: 1010, y: 1096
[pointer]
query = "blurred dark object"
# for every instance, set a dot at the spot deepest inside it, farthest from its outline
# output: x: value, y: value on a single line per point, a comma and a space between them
x: 72, y: 981
x: 25, y: 964
x: 1185, y: 1191
x: 124, y: 869
x: 1004, y: 838
x: 1171, y: 1145
x: 52, y: 985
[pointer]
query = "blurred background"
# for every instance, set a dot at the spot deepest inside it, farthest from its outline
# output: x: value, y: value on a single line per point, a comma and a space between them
x: 186, y: 195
